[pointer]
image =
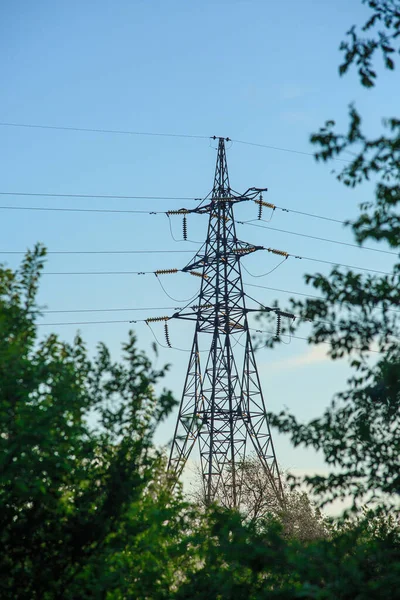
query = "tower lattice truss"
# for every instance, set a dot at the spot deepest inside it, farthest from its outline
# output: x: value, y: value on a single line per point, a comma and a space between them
x: 222, y: 408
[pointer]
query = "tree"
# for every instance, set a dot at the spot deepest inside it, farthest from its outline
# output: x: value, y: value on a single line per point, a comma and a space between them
x: 85, y: 511
x: 242, y: 560
x: 359, y: 433
x: 259, y: 506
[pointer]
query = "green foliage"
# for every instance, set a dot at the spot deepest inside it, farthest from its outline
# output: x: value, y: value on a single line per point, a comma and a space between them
x: 360, y: 51
x: 252, y: 562
x: 85, y: 508
x: 85, y: 511
x: 359, y: 433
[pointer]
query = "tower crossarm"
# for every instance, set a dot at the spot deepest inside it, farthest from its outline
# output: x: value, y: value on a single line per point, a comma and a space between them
x: 235, y: 251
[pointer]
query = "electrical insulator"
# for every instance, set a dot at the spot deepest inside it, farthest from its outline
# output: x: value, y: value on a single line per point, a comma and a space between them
x: 184, y: 225
x: 286, y: 314
x: 260, y: 208
x: 280, y: 252
x: 201, y: 306
x: 154, y: 319
x: 243, y: 250
x: 235, y: 325
x: 267, y: 204
x: 167, y: 335
x: 196, y: 274
x: 278, y: 325
x: 181, y: 211
x: 165, y: 271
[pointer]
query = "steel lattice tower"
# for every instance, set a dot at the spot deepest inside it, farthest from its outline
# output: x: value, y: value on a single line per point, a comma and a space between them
x: 222, y: 406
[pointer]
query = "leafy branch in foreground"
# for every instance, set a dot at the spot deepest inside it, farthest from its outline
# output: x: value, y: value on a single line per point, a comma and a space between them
x: 360, y: 51
x: 356, y: 314
x: 85, y: 510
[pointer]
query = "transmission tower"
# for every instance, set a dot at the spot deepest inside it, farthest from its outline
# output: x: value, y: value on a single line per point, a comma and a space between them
x: 222, y: 407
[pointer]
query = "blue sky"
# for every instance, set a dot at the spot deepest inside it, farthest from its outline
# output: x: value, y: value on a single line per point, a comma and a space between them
x: 257, y: 71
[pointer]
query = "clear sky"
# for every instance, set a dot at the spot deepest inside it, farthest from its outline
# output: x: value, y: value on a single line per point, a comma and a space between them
x: 260, y: 71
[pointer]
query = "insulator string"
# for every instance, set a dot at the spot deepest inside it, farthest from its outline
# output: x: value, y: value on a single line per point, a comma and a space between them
x: 167, y: 338
x: 184, y: 227
x: 278, y: 325
x: 183, y: 240
x: 169, y: 347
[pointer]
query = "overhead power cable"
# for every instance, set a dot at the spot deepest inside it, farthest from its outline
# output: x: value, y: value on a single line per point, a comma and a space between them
x: 82, y: 210
x: 146, y: 212
x: 98, y: 273
x: 171, y: 347
x: 116, y: 197
x: 156, y: 134
x: 91, y: 310
x: 100, y: 196
x: 281, y: 149
x: 297, y: 337
x: 86, y: 323
x: 263, y: 287
x: 319, y: 260
x: 307, y: 214
x: 109, y: 252
x: 113, y: 131
x: 294, y: 316
x: 311, y: 296
x: 336, y: 264
x: 320, y: 239
x: 286, y: 254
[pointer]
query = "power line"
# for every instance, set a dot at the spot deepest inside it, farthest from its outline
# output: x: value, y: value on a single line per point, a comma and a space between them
x: 337, y: 264
x: 113, y: 131
x: 100, y: 196
x: 116, y: 197
x: 319, y: 260
x: 99, y: 273
x: 106, y: 252
x: 82, y: 210
x: 321, y: 239
x: 111, y: 252
x: 297, y: 337
x: 282, y: 149
x: 148, y: 308
x: 307, y: 214
x: 113, y: 210
x: 91, y: 310
x: 294, y: 316
x: 156, y: 134
x: 85, y: 323
x: 146, y: 212
x: 264, y: 287
x: 313, y: 296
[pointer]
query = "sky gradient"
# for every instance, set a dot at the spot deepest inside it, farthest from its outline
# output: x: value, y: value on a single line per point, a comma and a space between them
x: 257, y: 71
